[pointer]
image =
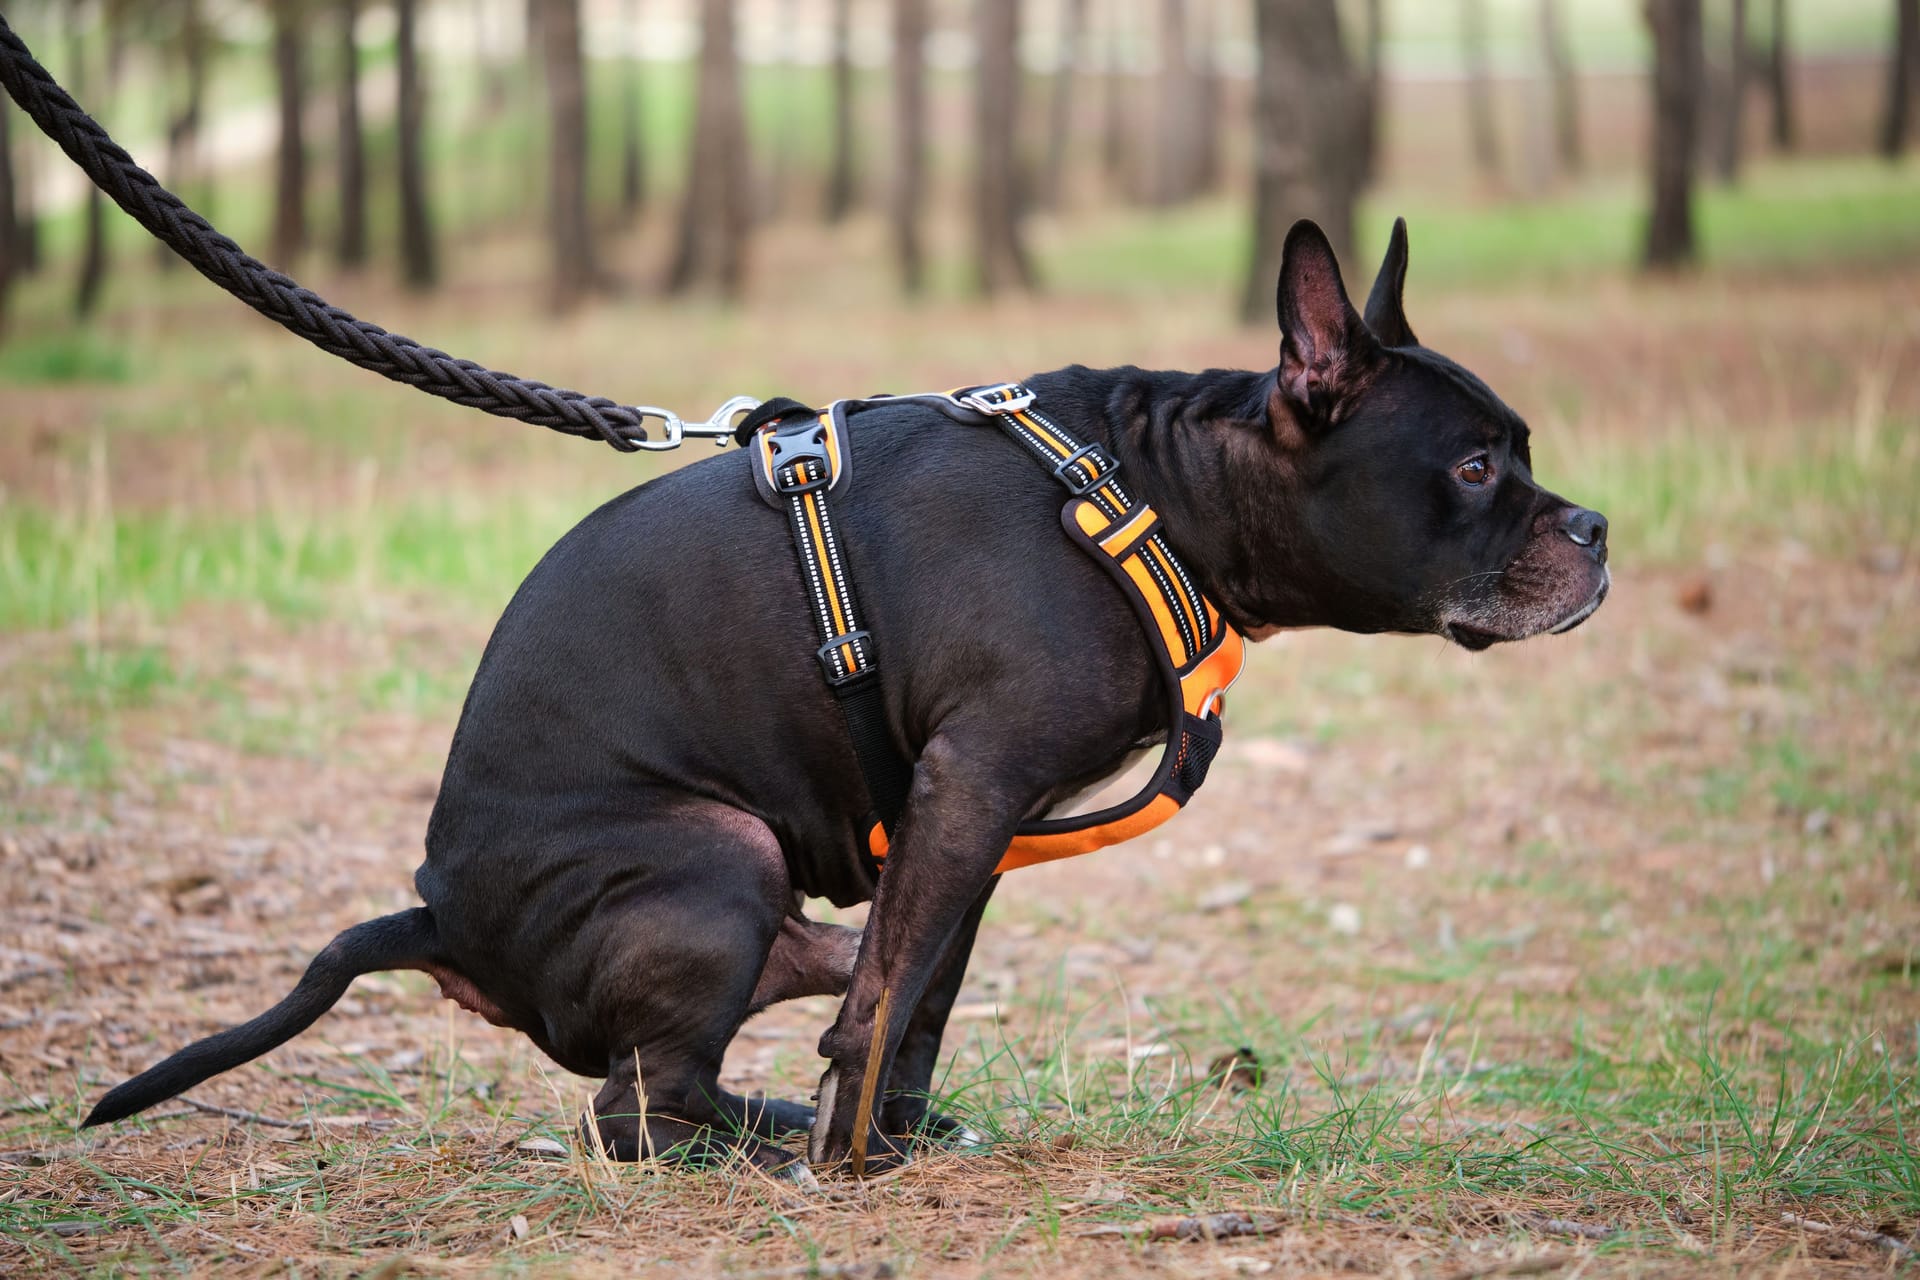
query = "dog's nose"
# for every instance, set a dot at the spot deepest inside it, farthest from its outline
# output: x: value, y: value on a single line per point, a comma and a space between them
x: 1587, y: 529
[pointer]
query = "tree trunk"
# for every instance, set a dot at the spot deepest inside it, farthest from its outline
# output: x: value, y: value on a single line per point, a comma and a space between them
x: 1566, y: 91
x: 1733, y: 100
x: 840, y: 169
x: 183, y: 128
x: 1901, y: 74
x: 1307, y: 157
x: 290, y: 166
x: 351, y: 152
x: 1480, y: 119
x: 9, y: 220
x: 771, y: 181
x: 1113, y: 120
x: 1173, y: 157
x: 26, y: 216
x: 1073, y: 18
x: 1000, y: 256
x: 1374, y: 100
x: 633, y: 168
x: 492, y: 51
x: 1209, y: 98
x: 717, y: 212
x: 1780, y: 79
x: 907, y: 196
x: 576, y: 268
x: 419, y: 263
x: 94, y: 255
x: 1678, y: 56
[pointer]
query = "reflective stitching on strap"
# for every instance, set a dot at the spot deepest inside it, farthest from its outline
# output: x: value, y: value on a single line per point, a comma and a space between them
x: 1174, y: 605
x: 799, y: 461
x: 798, y: 469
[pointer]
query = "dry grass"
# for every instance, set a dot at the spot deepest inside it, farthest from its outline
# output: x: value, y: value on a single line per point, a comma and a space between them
x: 1594, y: 955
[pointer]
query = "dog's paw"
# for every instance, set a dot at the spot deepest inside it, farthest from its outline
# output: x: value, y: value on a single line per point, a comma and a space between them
x: 824, y: 1146
x: 796, y: 1174
x: 945, y: 1131
x: 883, y: 1156
x: 910, y: 1115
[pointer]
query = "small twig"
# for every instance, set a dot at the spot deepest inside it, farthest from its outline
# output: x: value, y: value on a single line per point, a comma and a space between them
x: 77, y: 967
x: 1381, y: 1218
x: 231, y: 1244
x: 1515, y: 1267
x: 1211, y: 1226
x: 881, y: 1270
x: 156, y: 1117
x: 1899, y: 1248
x: 1566, y: 1226
x: 234, y: 1113
x: 863, y: 1113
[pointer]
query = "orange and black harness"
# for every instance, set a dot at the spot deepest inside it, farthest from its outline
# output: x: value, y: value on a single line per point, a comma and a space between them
x: 801, y: 457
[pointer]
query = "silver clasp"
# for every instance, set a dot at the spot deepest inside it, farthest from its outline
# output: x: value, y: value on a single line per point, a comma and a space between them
x: 676, y: 430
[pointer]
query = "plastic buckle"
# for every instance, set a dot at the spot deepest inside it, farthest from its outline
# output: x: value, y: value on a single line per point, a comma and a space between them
x: 793, y: 446
x: 1102, y: 469
x: 860, y: 640
x: 999, y: 399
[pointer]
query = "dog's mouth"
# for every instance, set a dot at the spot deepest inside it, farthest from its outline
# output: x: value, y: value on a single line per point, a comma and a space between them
x: 1586, y: 610
x: 1476, y: 638
x: 1471, y: 638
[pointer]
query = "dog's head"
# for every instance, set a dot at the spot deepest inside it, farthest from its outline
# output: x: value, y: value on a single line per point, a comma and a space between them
x: 1417, y: 502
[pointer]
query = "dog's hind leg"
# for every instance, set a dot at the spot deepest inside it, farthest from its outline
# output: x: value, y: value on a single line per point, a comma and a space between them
x: 808, y: 959
x: 764, y: 1117
x: 670, y: 962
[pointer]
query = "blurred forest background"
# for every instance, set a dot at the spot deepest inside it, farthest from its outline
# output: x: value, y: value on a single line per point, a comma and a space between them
x: 654, y: 141
x: 1596, y: 952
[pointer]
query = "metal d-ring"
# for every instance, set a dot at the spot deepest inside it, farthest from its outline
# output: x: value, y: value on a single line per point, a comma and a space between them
x: 676, y: 430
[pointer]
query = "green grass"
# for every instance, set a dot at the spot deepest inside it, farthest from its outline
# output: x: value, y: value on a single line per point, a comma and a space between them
x: 48, y: 355
x: 1670, y: 1123
x: 145, y: 566
x: 1823, y: 487
x: 1782, y: 215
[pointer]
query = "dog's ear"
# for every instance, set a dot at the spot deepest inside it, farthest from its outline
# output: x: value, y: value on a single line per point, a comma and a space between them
x: 1386, y: 307
x: 1325, y: 349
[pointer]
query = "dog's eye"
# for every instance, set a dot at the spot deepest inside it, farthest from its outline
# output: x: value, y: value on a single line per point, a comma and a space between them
x: 1472, y: 472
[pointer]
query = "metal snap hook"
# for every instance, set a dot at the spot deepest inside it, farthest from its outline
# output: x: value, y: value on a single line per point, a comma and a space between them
x: 676, y: 430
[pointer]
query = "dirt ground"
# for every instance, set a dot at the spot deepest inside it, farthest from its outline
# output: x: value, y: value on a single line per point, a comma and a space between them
x: 1529, y: 945
x: 1309, y: 872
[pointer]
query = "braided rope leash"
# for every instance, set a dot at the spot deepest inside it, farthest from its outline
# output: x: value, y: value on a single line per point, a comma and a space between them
x: 305, y: 313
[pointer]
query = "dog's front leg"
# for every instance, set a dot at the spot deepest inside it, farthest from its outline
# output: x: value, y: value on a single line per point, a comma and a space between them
x: 907, y: 1103
x: 958, y: 822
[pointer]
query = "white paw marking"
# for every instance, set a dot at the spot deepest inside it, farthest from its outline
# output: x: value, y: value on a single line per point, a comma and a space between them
x: 822, y: 1117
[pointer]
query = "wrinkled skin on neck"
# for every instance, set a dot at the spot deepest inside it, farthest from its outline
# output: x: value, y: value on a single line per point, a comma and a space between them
x: 1360, y: 484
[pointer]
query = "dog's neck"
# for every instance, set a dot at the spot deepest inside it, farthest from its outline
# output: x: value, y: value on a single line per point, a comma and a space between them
x: 1199, y: 449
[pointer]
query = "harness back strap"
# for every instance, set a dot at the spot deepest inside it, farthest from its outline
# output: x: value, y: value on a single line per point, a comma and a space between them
x: 801, y: 456
x: 798, y: 461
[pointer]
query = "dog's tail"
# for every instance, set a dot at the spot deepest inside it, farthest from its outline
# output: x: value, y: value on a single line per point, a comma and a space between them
x: 399, y: 941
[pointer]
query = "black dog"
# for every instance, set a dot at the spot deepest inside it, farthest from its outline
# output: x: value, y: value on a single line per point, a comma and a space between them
x: 650, y: 773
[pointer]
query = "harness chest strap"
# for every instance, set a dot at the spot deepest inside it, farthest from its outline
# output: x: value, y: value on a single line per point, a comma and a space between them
x: 801, y: 459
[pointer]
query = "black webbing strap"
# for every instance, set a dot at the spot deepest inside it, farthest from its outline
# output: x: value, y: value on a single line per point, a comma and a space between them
x: 798, y: 458
x: 1089, y: 471
x: 801, y: 453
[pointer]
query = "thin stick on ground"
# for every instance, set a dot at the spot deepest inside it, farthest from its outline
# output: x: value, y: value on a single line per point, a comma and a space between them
x: 254, y: 1117
x: 1899, y: 1248
x: 863, y: 1114
x: 1564, y: 1226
